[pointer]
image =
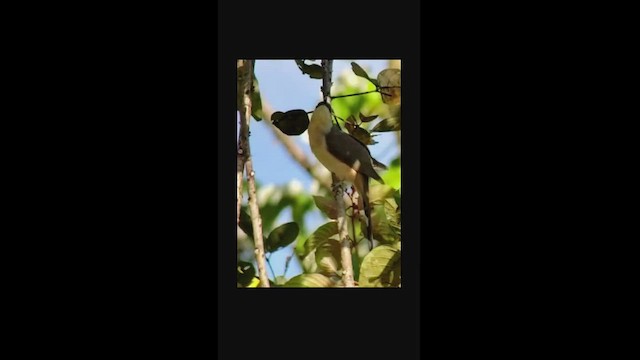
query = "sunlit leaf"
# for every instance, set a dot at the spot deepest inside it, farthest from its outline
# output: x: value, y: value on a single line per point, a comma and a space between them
x: 393, y: 215
x: 379, y: 192
x: 389, y: 81
x: 367, y: 118
x: 292, y: 122
x: 381, y: 227
x: 309, y: 263
x: 327, y: 257
x: 282, y: 236
x: 327, y: 205
x: 392, y: 176
x: 321, y: 235
x: 381, y: 268
x: 388, y: 124
x: 280, y: 280
x: 309, y: 280
x: 254, y: 283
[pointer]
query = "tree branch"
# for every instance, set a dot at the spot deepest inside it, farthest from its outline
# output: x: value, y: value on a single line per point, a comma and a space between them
x: 338, y: 186
x: 395, y: 64
x: 240, y: 159
x: 245, y: 87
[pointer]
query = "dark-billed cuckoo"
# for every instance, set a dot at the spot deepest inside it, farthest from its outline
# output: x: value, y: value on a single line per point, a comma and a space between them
x: 345, y: 156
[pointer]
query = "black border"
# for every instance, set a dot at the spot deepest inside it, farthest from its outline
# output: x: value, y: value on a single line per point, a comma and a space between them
x: 512, y: 160
x: 308, y: 37
x: 512, y: 111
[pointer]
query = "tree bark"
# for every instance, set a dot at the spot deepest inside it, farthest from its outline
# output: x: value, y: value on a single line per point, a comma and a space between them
x: 338, y: 187
x: 245, y: 89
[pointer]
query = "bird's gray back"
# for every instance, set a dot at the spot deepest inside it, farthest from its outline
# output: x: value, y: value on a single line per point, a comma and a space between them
x: 349, y: 150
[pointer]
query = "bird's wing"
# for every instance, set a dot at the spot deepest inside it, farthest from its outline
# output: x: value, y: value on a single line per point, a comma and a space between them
x: 349, y: 150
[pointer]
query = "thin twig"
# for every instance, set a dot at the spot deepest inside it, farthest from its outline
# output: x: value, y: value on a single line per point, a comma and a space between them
x: 245, y: 82
x: 362, y: 93
x: 366, y: 92
x: 270, y: 268
x: 286, y: 264
x: 338, y: 186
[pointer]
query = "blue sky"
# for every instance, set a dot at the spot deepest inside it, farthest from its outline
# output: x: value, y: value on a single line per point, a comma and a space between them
x: 284, y: 87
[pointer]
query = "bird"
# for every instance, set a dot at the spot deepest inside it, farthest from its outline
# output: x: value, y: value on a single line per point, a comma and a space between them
x: 345, y: 156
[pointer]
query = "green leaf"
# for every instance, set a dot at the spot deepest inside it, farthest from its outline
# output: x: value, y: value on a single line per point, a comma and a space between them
x: 388, y: 124
x: 256, y: 101
x: 381, y: 268
x: 363, y: 136
x: 327, y: 205
x: 309, y: 263
x: 314, y: 71
x: 392, y: 177
x: 293, y: 122
x: 382, y: 229
x: 245, y: 223
x: 245, y: 273
x: 358, y: 70
x: 379, y: 192
x: 356, y: 262
x: 282, y: 236
x: 300, y: 207
x: 280, y: 280
x: 327, y: 256
x: 321, y: 235
x: 254, y: 283
x: 309, y: 280
x: 367, y: 118
x: 393, y: 216
x: 278, y: 200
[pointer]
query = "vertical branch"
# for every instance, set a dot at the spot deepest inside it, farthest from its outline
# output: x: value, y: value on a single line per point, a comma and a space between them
x: 240, y: 68
x: 338, y: 187
x: 245, y: 89
x: 395, y: 64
